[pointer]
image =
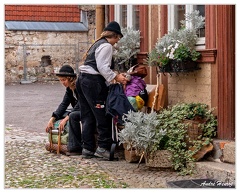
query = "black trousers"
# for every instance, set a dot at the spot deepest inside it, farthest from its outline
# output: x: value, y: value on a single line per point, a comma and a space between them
x: 75, y: 136
x: 93, y: 93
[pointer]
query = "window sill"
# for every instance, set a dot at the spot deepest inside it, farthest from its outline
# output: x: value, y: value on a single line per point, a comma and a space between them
x: 207, y: 56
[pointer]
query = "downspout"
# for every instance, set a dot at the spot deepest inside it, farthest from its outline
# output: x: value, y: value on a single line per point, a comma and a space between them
x: 100, y: 19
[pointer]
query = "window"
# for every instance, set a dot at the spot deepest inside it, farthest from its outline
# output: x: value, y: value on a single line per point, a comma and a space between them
x: 127, y: 15
x: 176, y: 14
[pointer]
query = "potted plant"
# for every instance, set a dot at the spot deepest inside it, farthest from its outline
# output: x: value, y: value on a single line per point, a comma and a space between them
x: 184, y: 141
x: 140, y: 133
x: 125, y: 51
x: 139, y: 130
x: 168, y: 139
x: 175, y: 51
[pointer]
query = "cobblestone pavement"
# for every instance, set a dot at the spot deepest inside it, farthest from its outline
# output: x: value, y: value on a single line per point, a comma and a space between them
x: 27, y: 159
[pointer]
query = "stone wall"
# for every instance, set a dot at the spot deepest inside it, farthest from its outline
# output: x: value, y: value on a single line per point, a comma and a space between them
x: 190, y: 87
x: 41, y: 54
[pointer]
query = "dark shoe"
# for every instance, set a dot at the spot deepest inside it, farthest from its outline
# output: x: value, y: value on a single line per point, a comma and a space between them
x: 102, y: 153
x: 87, y: 154
x: 68, y: 153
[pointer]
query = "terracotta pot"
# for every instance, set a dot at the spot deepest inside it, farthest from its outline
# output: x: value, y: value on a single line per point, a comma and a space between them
x: 130, y: 155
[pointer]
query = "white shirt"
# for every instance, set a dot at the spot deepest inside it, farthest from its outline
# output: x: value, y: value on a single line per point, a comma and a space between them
x: 103, y: 55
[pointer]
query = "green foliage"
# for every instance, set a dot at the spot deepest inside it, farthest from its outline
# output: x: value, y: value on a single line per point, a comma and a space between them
x: 172, y: 118
x: 178, y: 44
x: 166, y: 130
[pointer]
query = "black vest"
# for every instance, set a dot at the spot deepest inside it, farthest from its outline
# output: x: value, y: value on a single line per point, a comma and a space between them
x: 90, y: 59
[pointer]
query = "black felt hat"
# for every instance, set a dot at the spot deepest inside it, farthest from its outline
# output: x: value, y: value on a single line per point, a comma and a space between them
x: 66, y: 70
x: 115, y: 27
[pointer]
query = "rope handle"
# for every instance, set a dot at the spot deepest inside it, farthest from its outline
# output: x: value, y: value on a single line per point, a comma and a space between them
x: 156, y: 94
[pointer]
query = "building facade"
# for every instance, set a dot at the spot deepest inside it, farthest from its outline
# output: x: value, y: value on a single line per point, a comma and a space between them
x: 214, y: 84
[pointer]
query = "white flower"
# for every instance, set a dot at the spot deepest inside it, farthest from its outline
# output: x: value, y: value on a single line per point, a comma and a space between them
x: 171, y: 56
x: 169, y: 47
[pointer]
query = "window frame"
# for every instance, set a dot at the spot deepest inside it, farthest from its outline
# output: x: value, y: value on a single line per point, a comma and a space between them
x: 130, y: 15
x: 172, y: 20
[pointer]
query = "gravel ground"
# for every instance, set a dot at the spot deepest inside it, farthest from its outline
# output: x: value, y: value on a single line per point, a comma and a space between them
x: 29, y: 165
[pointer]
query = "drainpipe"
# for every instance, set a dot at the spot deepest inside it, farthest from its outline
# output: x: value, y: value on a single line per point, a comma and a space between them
x: 100, y: 22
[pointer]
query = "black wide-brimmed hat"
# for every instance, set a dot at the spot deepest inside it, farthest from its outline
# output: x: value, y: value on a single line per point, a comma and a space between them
x: 66, y: 70
x: 113, y: 26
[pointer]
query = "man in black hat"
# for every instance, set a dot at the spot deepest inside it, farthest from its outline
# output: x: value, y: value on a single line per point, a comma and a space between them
x: 92, y: 86
x: 67, y: 77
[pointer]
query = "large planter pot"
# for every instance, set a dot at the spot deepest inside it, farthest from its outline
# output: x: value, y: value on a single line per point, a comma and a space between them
x: 159, y: 159
x: 193, y: 132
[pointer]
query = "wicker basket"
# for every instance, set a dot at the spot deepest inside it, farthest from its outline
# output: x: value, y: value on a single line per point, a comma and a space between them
x: 193, y: 131
x: 159, y: 159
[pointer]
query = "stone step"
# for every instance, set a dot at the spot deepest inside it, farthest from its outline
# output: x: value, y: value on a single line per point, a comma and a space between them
x: 224, y: 150
x: 224, y: 172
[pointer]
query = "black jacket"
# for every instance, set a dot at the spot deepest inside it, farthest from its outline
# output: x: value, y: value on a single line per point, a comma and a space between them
x: 117, y: 102
x: 67, y: 100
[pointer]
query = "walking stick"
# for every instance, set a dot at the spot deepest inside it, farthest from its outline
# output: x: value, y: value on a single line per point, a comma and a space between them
x: 59, y: 141
x: 51, y: 143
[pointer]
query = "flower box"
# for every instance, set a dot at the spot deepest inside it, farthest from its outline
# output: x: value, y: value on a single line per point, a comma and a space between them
x: 166, y: 68
x: 178, y: 66
x: 184, y: 66
x: 178, y: 46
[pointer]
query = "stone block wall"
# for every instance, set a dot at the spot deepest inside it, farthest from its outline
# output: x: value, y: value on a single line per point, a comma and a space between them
x: 190, y: 87
x: 28, y: 50
x: 37, y: 55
